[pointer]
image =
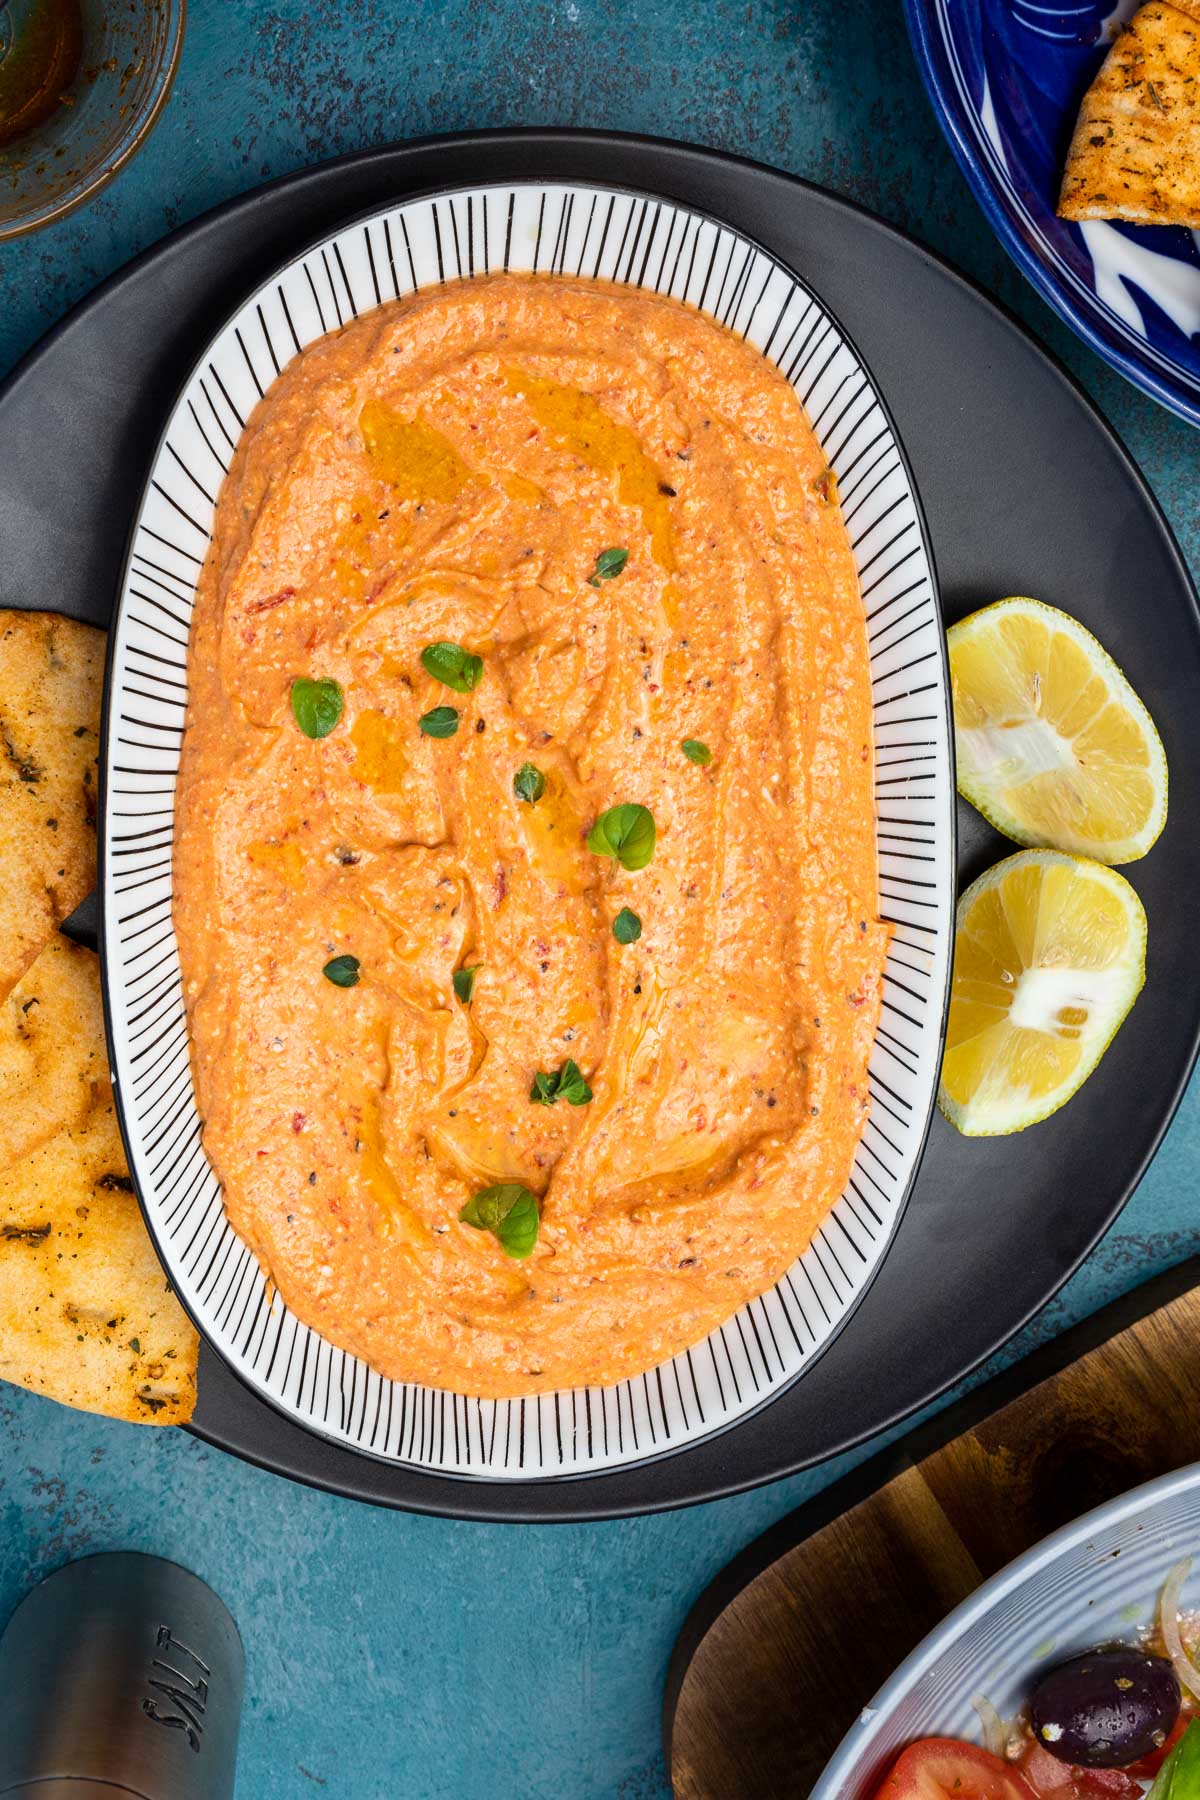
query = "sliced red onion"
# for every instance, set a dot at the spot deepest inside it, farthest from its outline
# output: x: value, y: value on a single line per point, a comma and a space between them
x: 995, y: 1732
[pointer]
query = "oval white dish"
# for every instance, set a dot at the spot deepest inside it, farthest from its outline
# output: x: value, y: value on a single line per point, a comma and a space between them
x: 660, y: 247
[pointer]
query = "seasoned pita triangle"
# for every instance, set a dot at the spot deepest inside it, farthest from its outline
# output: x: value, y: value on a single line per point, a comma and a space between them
x: 86, y: 1314
x: 1136, y: 150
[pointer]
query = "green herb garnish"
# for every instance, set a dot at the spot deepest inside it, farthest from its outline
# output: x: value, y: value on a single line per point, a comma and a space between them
x: 1179, y: 1777
x: 464, y: 983
x: 627, y: 927
x: 696, y: 752
x: 529, y: 783
x: 568, y: 1085
x: 342, y: 971
x: 608, y: 564
x: 626, y: 832
x: 453, y: 666
x: 317, y: 705
x: 442, y: 722
x: 510, y: 1212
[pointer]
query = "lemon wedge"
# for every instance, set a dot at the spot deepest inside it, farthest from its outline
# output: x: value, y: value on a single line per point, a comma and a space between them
x: 1054, y: 747
x: 1050, y: 955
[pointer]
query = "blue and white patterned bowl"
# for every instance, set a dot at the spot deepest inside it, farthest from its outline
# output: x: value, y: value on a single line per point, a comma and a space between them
x: 1095, y: 1581
x: 1006, y: 78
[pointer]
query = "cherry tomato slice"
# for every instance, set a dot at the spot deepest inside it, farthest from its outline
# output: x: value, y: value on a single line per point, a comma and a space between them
x: 1148, y: 1766
x: 945, y: 1769
x: 1054, y: 1780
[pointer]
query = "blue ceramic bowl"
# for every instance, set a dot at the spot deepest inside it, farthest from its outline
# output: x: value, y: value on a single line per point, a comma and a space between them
x: 1006, y: 78
x: 1091, y: 1583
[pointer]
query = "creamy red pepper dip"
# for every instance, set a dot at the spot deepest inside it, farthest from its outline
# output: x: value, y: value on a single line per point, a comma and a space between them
x: 452, y: 468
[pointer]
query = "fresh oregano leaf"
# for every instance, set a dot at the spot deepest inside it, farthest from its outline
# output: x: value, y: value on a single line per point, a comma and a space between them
x: 626, y: 832
x: 317, y: 705
x: 464, y: 983
x: 529, y: 784
x: 343, y: 971
x: 608, y: 564
x: 571, y: 1085
x: 453, y: 666
x: 627, y: 927
x: 441, y: 722
x: 510, y: 1212
x: 696, y: 752
x: 568, y: 1084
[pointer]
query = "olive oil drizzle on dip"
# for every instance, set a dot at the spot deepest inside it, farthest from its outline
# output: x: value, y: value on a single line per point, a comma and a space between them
x: 595, y: 819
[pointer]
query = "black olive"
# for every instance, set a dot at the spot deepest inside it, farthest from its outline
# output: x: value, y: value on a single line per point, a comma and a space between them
x: 1106, y: 1709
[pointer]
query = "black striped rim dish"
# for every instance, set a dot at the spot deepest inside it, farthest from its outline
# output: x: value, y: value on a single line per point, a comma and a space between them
x: 635, y: 239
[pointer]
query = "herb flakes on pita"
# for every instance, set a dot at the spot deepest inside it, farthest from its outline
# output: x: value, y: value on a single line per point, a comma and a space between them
x: 1135, y: 154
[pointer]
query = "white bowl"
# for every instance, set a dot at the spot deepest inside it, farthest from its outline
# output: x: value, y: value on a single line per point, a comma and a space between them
x: 1093, y: 1582
x: 649, y: 244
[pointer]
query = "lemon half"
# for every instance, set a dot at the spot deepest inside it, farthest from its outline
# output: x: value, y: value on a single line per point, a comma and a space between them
x: 1053, y: 745
x: 1050, y: 956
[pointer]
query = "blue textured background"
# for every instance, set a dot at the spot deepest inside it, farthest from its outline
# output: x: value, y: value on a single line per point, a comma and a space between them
x: 394, y: 1656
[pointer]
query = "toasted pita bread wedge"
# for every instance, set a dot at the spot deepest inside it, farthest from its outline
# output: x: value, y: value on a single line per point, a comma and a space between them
x: 50, y: 677
x: 86, y: 1313
x: 1135, y: 154
x: 52, y: 1057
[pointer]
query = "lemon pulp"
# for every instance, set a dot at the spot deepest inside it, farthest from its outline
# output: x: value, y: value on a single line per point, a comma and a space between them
x: 1053, y: 745
x: 1049, y: 957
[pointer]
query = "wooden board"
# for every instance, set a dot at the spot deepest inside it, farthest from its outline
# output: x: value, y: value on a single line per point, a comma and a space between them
x: 789, y: 1643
